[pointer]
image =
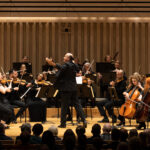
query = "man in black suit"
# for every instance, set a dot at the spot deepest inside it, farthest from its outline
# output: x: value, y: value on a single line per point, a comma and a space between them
x: 66, y: 84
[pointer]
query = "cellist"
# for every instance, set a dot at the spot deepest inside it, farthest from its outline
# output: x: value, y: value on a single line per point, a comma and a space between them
x: 133, y: 94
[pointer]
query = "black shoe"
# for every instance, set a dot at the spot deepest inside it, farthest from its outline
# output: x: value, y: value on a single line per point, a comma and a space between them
x: 78, y: 120
x: 104, y: 120
x: 114, y: 120
x: 141, y: 125
x: 85, y: 124
x: 62, y: 126
x: 121, y: 124
x: 69, y: 118
x: 14, y: 121
x: 7, y: 127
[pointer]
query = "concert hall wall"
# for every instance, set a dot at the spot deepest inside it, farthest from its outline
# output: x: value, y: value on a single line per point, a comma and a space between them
x: 85, y: 37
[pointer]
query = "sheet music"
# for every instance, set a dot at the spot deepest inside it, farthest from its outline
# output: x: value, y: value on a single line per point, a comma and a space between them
x: 79, y: 80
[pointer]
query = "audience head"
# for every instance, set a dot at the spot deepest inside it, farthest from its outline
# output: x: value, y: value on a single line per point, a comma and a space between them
x: 54, y: 130
x: 37, y: 129
x: 25, y: 137
x: 69, y: 139
x: 133, y: 132
x: 48, y: 139
x: 80, y: 130
x: 123, y: 134
x: 115, y: 134
x: 107, y: 128
x: 26, y: 127
x: 96, y: 130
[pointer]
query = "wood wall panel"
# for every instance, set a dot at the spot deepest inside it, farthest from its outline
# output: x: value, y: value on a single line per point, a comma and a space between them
x: 92, y: 40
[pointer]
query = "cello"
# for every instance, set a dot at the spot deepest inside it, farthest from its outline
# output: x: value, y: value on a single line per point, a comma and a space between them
x: 128, y: 109
x: 144, y: 107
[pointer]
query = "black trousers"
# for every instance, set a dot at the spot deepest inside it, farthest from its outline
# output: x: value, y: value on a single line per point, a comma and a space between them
x: 6, y: 111
x: 21, y: 105
x: 67, y: 99
x: 109, y: 104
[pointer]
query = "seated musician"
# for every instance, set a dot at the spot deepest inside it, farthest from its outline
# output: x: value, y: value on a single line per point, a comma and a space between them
x: 135, y: 84
x: 37, y: 106
x: 6, y: 110
x: 24, y: 74
x: 14, y: 96
x: 120, y: 86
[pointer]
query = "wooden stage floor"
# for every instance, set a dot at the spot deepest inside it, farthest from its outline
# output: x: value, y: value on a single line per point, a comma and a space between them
x: 15, y: 128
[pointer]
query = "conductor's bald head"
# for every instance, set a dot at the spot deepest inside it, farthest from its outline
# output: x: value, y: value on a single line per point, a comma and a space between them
x: 68, y: 57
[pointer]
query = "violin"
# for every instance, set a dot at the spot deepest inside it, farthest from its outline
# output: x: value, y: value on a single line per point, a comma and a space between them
x: 21, y: 82
x: 4, y: 81
x: 43, y: 82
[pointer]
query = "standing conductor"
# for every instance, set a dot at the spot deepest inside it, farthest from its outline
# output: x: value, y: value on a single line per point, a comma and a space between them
x: 66, y: 84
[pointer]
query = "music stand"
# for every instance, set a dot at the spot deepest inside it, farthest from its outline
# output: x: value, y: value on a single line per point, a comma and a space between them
x: 51, y: 78
x: 104, y: 67
x: 86, y: 92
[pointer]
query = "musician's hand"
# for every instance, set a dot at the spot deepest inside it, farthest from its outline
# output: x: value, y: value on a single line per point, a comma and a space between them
x: 89, y: 82
x: 8, y: 90
x: 126, y: 95
x: 140, y: 86
x: 16, y: 88
x: 99, y: 75
x: 112, y: 83
x: 37, y: 89
x: 29, y: 84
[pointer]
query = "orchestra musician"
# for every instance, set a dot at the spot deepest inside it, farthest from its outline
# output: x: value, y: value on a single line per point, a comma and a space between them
x: 135, y: 84
x: 120, y: 86
x: 66, y: 84
x: 6, y: 110
x: 37, y: 106
x: 14, y: 96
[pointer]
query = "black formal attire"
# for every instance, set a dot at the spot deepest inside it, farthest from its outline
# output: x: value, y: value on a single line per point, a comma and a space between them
x: 66, y: 84
x: 37, y: 107
x: 109, y: 103
x: 6, y: 110
x: 14, y: 99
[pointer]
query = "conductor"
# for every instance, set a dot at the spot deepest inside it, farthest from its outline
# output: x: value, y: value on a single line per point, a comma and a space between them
x: 66, y: 84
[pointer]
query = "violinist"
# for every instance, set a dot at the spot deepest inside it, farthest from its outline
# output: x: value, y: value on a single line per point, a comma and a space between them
x: 14, y: 96
x: 37, y: 106
x: 6, y: 110
x: 120, y: 86
x: 24, y: 75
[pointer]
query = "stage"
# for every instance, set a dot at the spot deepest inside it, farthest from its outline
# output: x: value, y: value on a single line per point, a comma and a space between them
x: 53, y: 119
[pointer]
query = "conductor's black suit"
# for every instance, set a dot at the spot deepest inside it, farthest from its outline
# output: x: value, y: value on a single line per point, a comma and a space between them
x: 66, y: 84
